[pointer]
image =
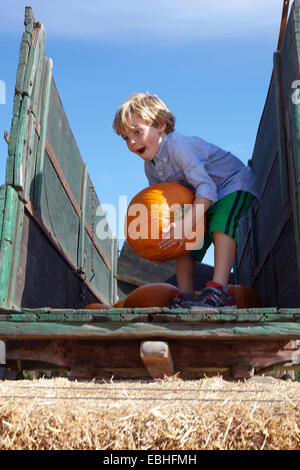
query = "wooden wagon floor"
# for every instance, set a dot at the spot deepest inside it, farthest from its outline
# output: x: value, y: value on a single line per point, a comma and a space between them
x: 123, y: 323
x: 143, y: 342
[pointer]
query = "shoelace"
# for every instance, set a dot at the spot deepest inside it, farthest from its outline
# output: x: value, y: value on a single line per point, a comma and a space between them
x: 215, y: 296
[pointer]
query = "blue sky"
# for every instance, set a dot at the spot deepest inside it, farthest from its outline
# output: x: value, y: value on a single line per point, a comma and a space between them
x: 211, y: 62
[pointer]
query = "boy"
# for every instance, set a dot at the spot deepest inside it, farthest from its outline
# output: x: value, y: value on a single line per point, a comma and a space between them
x: 223, y: 185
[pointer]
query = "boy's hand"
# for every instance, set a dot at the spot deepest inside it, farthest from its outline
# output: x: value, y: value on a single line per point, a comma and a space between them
x: 178, y: 232
x: 171, y: 236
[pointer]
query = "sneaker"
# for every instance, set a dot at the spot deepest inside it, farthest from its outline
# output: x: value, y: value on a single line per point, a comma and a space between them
x: 215, y: 295
x: 182, y: 300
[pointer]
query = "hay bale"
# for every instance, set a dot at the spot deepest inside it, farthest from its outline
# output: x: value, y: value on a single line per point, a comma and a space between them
x: 158, y: 415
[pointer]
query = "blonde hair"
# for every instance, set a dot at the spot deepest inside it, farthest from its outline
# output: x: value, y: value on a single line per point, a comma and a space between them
x: 150, y: 108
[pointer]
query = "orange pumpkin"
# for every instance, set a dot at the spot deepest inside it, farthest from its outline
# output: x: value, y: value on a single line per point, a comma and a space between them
x: 245, y: 297
x: 98, y: 307
x: 151, y: 295
x: 119, y: 304
x: 151, y: 210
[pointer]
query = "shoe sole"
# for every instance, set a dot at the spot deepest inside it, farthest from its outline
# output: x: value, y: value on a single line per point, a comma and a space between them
x: 210, y: 306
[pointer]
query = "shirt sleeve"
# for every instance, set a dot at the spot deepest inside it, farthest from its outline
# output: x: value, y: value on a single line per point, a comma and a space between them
x: 193, y: 160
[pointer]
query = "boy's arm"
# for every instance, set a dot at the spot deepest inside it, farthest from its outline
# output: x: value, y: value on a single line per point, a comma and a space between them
x: 177, y: 235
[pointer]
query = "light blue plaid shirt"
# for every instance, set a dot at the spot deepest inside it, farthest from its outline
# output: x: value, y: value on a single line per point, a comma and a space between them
x: 209, y: 171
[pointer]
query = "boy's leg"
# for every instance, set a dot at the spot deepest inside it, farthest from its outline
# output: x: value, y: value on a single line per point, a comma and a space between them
x: 185, y: 270
x: 224, y: 254
x: 185, y: 273
x: 224, y: 217
x: 225, y: 248
x: 222, y: 220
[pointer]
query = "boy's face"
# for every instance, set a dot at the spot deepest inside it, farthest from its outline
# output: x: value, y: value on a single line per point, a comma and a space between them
x: 143, y: 139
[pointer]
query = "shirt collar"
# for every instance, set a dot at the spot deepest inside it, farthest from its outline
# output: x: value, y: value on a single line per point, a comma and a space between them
x: 162, y: 153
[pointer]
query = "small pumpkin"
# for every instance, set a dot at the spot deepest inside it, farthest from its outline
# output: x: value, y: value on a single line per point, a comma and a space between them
x: 151, y: 295
x: 98, y: 307
x: 151, y: 210
x: 245, y: 297
x: 119, y: 304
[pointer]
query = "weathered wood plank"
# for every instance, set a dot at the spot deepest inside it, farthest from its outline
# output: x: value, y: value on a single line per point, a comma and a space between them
x: 285, y: 331
x: 192, y: 359
x: 295, y: 129
x: 31, y: 81
x: 63, y: 144
x: 156, y: 356
x: 23, y: 60
x: 9, y: 176
x: 10, y: 212
x: 15, y: 257
x: 81, y: 248
x: 36, y: 96
x: 29, y: 160
x: 11, y: 228
x: 158, y: 314
x: 57, y: 212
x: 97, y: 272
x: 37, y: 35
x: 242, y: 370
x: 282, y: 144
x: 43, y: 132
x: 19, y: 163
x: 113, y: 284
x: 95, y: 217
x: 29, y: 20
x: 2, y: 353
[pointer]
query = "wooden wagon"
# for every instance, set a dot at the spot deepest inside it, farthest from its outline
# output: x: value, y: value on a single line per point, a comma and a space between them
x: 52, y: 263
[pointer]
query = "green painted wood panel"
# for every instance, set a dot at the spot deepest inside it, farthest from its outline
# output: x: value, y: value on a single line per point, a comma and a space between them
x: 9, y: 208
x: 29, y: 20
x: 50, y: 181
x: 21, y: 149
x: 157, y: 314
x: 43, y: 277
x: 23, y: 58
x: 9, y: 176
x: 57, y: 211
x: 11, y: 220
x: 157, y: 323
x: 36, y: 96
x: 135, y: 330
x: 81, y: 247
x: 270, y: 239
x: 95, y: 217
x: 40, y: 150
x: 97, y: 273
x: 27, y: 89
x: 281, y: 134
x: 62, y: 141
x: 265, y: 140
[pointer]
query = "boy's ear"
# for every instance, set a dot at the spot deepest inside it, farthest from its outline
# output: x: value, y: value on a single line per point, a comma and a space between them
x: 162, y: 126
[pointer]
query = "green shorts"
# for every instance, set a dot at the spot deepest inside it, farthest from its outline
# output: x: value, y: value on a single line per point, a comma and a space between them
x: 223, y: 216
